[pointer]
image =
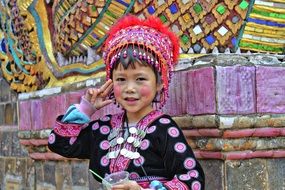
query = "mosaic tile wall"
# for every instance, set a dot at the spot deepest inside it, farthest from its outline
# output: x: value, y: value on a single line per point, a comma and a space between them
x: 50, y: 43
x: 265, y: 27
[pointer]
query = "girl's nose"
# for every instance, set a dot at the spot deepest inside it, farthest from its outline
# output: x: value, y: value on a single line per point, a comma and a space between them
x: 130, y: 87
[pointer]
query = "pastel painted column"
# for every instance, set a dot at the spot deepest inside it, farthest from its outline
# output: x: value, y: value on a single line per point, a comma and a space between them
x: 37, y: 114
x: 200, y: 90
x: 236, y: 90
x: 25, y: 115
x: 270, y: 88
x: 177, y: 102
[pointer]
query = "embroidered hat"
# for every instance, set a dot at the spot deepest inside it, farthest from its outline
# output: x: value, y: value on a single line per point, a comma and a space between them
x: 151, y: 37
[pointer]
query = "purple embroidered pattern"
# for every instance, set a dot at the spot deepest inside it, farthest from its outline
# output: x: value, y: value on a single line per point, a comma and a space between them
x: 184, y: 177
x: 134, y: 175
x: 144, y: 181
x: 104, y: 145
x: 67, y: 129
x: 116, y: 120
x: 105, y: 129
x: 180, y: 147
x: 145, y: 144
x: 122, y: 163
x: 164, y: 120
x: 149, y: 118
x: 193, y: 173
x: 173, y: 132
x: 95, y: 126
x: 72, y: 140
x: 51, y: 138
x: 175, y: 184
x: 189, y: 163
x: 151, y: 129
x: 104, y: 161
x: 189, y: 175
x: 105, y: 118
x: 196, y: 185
x: 140, y: 161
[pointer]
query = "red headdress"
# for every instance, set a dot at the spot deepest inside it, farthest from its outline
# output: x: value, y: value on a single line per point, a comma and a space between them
x: 150, y: 35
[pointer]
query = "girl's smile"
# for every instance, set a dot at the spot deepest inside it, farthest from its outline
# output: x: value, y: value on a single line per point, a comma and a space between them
x: 131, y: 101
x: 134, y: 89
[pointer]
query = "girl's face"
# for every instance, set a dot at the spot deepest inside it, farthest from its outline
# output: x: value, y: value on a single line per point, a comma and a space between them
x: 134, y: 89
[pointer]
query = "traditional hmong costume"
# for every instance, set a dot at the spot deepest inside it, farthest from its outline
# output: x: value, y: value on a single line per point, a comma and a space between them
x: 152, y: 149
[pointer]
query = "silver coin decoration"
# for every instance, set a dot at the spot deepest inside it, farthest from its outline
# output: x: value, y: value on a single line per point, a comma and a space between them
x: 120, y: 140
x: 123, y: 151
x: 136, y: 155
x: 133, y: 130
x: 131, y: 139
x: 126, y: 141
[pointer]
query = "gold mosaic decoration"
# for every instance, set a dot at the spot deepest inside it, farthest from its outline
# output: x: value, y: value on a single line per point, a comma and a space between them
x: 201, y: 25
x: 50, y: 43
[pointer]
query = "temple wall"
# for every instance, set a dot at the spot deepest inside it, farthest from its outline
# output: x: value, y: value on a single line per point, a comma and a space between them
x: 231, y: 109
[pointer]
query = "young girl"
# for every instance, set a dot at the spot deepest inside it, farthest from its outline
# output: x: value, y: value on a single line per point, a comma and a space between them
x: 139, y: 57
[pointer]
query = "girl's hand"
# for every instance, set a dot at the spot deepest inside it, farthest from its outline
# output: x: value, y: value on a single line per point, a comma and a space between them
x: 98, y: 96
x: 130, y: 185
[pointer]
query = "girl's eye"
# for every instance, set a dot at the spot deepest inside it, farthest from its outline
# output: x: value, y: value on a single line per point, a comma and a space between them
x: 141, y: 79
x: 120, y: 79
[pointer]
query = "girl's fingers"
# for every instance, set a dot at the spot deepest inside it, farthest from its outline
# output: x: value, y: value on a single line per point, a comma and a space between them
x: 94, y: 95
x: 89, y: 93
x: 97, y: 96
x: 107, y: 90
x: 104, y: 91
x: 131, y: 185
x: 106, y: 102
x: 119, y: 187
x: 106, y: 85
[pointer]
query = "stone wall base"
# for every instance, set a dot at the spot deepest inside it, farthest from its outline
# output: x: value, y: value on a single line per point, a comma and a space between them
x: 27, y: 174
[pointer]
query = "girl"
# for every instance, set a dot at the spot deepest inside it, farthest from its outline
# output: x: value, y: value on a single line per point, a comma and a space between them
x: 139, y: 57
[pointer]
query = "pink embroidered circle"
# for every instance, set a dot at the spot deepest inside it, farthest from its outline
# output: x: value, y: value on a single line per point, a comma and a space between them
x: 151, y: 129
x: 105, y: 118
x: 193, y: 173
x: 189, y: 163
x: 180, y: 147
x: 104, y: 145
x: 72, y: 140
x: 105, y: 130
x: 184, y: 177
x: 145, y: 144
x: 139, y: 161
x: 134, y: 175
x: 51, y: 138
x: 164, y: 120
x: 95, y: 126
x: 104, y: 161
x: 196, y: 185
x: 173, y: 132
